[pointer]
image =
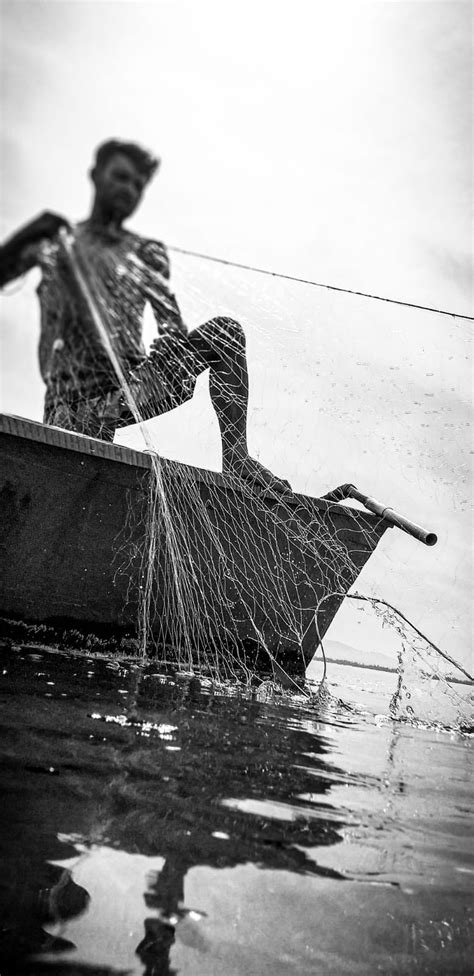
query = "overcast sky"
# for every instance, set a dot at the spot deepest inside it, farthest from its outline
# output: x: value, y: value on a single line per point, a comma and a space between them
x: 322, y: 139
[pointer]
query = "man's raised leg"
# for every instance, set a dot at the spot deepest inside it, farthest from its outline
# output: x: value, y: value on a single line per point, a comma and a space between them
x: 220, y: 344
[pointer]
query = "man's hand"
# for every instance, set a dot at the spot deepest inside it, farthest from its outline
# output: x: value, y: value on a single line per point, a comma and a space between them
x: 13, y: 260
x: 160, y: 343
x: 171, y: 327
x: 47, y: 224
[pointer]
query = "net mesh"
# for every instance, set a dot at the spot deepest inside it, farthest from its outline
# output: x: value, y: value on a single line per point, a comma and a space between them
x: 336, y: 395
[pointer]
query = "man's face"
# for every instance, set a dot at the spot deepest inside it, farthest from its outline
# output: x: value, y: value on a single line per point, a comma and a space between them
x: 119, y: 186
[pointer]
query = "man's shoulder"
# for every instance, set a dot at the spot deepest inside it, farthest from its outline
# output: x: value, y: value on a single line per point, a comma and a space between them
x: 153, y: 253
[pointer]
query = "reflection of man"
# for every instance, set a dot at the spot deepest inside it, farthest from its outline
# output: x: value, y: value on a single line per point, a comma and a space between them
x: 123, y: 271
x: 165, y: 896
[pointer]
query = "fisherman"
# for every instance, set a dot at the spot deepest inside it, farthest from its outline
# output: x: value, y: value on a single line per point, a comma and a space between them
x: 123, y: 271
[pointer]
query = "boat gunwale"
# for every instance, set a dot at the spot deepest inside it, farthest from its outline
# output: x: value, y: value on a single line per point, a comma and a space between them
x: 33, y: 430
x: 57, y: 437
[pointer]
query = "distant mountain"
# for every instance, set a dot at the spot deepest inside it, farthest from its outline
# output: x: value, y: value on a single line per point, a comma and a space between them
x: 338, y: 651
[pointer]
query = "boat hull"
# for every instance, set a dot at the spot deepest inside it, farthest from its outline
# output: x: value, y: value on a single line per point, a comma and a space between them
x: 260, y: 579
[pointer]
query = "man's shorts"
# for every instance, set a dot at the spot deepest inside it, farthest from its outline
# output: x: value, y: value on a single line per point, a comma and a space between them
x: 163, y: 381
x: 97, y: 416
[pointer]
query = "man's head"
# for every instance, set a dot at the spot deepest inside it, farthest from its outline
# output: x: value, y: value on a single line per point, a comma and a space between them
x: 120, y: 173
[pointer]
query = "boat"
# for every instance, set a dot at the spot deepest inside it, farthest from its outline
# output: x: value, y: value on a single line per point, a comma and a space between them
x: 268, y: 580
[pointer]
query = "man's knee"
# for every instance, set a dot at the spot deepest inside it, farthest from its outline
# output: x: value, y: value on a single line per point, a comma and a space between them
x: 229, y: 332
x: 217, y: 340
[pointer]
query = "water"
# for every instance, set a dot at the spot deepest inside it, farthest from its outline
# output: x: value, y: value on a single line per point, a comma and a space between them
x: 153, y: 825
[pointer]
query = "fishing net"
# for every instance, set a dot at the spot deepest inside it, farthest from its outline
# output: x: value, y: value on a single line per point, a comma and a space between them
x: 337, y: 394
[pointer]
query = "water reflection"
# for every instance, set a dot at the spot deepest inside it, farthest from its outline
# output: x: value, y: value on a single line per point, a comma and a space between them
x: 119, y: 782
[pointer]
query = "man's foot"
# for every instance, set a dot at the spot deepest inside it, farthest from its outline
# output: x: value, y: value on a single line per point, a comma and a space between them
x: 255, y: 475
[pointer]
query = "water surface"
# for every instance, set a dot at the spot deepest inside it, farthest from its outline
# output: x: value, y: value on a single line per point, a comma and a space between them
x: 153, y: 825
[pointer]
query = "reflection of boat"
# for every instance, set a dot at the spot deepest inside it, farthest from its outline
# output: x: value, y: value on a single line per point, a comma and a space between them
x: 74, y: 513
x: 124, y: 811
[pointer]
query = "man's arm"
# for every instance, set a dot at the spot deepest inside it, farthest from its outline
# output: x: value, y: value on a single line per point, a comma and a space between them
x: 18, y: 254
x: 165, y: 307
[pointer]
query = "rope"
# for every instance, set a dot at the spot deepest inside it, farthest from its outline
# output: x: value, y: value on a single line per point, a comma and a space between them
x: 318, y: 284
